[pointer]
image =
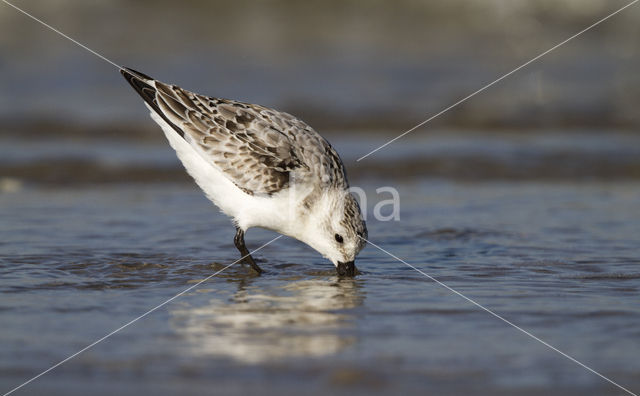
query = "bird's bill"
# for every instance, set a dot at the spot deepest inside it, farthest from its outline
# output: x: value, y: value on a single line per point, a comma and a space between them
x: 346, y: 269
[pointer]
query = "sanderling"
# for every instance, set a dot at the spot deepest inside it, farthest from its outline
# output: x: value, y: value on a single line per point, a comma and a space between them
x: 261, y: 167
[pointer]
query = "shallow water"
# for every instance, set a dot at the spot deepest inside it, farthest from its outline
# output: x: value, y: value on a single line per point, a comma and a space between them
x: 559, y: 259
x: 98, y: 226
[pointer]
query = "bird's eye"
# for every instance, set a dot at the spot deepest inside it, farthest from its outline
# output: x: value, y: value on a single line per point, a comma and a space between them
x: 339, y: 238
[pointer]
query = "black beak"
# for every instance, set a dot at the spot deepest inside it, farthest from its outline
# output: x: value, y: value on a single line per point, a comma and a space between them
x: 346, y: 269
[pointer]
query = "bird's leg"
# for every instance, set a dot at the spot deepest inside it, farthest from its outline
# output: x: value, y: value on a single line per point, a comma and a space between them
x: 246, y: 256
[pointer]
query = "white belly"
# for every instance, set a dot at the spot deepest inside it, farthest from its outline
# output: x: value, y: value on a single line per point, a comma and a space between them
x: 275, y: 212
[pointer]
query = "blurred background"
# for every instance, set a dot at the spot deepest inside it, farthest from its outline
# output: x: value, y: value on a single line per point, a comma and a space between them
x: 526, y: 197
x: 349, y: 68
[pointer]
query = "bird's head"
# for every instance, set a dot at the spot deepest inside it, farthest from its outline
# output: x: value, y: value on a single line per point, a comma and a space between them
x: 337, y: 229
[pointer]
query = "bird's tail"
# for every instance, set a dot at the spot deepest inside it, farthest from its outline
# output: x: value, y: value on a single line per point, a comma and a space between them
x: 146, y: 88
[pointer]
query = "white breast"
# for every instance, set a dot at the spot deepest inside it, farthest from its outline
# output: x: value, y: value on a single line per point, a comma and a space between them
x: 275, y: 212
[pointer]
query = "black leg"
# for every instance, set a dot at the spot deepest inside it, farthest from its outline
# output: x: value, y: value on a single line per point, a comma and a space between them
x: 239, y: 242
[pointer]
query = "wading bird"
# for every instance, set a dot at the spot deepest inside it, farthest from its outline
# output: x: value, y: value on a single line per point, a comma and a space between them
x: 261, y: 167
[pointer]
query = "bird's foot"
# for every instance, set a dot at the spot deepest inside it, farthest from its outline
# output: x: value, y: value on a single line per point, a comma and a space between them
x: 249, y: 260
x: 246, y: 256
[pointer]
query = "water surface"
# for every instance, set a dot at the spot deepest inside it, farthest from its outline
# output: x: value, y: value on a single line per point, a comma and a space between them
x: 559, y: 259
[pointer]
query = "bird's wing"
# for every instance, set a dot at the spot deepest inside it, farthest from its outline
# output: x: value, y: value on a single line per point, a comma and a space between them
x: 259, y: 149
x: 314, y: 151
x: 253, y: 154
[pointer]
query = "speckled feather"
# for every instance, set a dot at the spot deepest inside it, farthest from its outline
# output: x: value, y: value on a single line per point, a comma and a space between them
x: 261, y: 167
x: 260, y: 149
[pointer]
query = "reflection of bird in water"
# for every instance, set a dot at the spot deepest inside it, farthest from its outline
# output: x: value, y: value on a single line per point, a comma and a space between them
x: 261, y: 167
x: 296, y: 320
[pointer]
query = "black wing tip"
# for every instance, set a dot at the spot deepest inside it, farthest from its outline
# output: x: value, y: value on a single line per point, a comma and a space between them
x: 140, y: 82
x: 129, y: 73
